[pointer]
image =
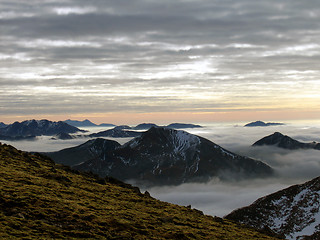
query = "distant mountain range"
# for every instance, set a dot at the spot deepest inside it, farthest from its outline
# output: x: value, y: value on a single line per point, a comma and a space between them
x: 293, y: 212
x: 125, y: 131
x: 28, y: 130
x: 262, y: 124
x: 183, y: 125
x: 87, y: 123
x: 116, y: 133
x: 142, y: 126
x: 37, y: 128
x: 161, y: 156
x: 146, y: 126
x: 279, y: 140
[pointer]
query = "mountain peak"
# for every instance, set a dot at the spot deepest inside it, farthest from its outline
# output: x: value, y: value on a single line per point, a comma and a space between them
x: 283, y: 141
x: 277, y: 134
x: 162, y: 136
x: 166, y: 156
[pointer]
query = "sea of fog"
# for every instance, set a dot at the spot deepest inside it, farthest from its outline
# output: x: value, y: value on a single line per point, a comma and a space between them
x: 220, y: 198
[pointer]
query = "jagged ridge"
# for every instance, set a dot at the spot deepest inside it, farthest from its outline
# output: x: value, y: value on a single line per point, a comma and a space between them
x: 37, y: 128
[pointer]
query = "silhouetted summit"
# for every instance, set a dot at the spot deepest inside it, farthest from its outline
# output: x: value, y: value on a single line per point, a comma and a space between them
x: 283, y: 141
x: 262, y: 124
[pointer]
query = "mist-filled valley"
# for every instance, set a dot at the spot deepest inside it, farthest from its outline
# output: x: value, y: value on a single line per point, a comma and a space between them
x: 218, y: 197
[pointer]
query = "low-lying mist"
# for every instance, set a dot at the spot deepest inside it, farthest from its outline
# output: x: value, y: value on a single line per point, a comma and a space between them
x: 220, y: 198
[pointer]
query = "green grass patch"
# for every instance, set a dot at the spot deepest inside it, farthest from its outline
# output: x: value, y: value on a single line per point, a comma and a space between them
x: 42, y: 200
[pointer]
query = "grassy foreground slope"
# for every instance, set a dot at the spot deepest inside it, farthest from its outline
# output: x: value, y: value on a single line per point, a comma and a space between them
x: 41, y: 200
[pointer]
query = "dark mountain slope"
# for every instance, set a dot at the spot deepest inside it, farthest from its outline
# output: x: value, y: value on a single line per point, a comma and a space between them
x: 91, y: 149
x: 283, y: 141
x: 167, y: 156
x: 41, y: 200
x: 293, y: 212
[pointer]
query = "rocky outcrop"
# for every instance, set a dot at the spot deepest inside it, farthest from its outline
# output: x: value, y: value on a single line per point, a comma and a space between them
x: 293, y: 212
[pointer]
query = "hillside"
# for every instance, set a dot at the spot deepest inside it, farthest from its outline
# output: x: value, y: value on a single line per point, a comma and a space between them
x: 41, y: 200
x: 163, y: 156
x: 293, y: 212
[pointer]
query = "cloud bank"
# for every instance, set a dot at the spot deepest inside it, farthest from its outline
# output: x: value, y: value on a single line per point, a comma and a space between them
x: 220, y: 198
x: 143, y: 56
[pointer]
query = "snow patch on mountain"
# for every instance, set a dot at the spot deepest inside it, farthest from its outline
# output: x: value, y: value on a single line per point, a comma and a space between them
x: 308, y: 230
x: 306, y: 206
x: 133, y: 143
x: 227, y: 152
x: 293, y: 212
x: 184, y: 141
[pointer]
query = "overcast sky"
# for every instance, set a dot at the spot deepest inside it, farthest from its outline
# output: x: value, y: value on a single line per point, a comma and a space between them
x: 134, y: 59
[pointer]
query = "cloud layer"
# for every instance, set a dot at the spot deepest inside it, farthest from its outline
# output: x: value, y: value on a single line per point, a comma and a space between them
x: 144, y: 55
x: 220, y: 198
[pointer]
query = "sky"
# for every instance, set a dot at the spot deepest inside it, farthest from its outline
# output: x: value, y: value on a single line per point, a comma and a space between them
x: 144, y: 60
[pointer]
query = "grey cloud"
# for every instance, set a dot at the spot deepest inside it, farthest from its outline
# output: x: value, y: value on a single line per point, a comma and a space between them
x: 289, y: 164
x: 143, y: 42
